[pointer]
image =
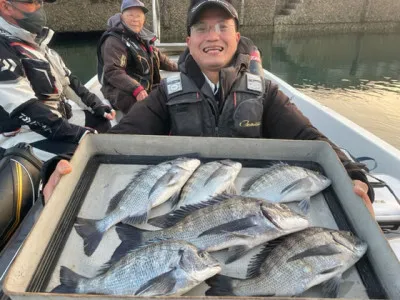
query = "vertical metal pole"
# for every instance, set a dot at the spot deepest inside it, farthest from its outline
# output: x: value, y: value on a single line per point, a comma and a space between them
x: 241, y: 21
x: 156, y: 23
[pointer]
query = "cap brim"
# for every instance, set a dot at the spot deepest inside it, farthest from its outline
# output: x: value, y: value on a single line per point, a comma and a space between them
x: 197, y: 9
x: 145, y: 10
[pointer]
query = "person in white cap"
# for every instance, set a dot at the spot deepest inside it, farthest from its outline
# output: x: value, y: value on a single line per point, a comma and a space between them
x: 128, y: 63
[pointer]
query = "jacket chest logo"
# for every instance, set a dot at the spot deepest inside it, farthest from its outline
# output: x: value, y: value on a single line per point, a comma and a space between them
x: 247, y: 123
x: 174, y: 84
x: 254, y: 83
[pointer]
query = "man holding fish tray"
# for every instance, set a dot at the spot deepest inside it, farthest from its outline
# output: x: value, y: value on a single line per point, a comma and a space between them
x: 216, y: 95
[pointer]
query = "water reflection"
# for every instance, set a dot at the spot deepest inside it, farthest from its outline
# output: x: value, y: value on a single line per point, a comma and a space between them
x: 356, y: 74
x: 356, y: 61
x: 78, y: 52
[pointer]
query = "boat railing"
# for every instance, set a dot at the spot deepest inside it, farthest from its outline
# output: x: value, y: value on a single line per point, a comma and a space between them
x: 168, y: 47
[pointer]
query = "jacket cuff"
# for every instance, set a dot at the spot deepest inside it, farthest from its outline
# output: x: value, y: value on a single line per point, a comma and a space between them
x: 137, y: 91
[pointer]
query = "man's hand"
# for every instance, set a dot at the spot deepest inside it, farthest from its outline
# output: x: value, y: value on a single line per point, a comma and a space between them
x: 63, y: 168
x: 104, y: 111
x: 110, y: 116
x: 361, y: 189
x: 141, y: 96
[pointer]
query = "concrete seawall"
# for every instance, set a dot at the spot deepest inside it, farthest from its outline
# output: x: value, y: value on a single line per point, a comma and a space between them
x: 256, y: 16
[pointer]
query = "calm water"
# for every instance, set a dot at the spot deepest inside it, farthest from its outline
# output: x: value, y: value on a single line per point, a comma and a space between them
x: 357, y: 74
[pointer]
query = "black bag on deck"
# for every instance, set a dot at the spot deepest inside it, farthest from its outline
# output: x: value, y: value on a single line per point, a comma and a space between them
x: 19, y: 185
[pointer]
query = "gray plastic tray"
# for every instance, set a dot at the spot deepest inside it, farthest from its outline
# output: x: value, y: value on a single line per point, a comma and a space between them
x: 103, y: 164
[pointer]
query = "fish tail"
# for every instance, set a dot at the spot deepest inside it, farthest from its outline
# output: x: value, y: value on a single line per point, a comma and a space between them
x: 131, y: 238
x: 63, y: 289
x: 69, y: 281
x: 127, y: 233
x: 87, y: 229
x: 220, y: 285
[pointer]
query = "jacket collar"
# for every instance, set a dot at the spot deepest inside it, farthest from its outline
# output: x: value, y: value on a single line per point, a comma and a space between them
x: 17, y: 32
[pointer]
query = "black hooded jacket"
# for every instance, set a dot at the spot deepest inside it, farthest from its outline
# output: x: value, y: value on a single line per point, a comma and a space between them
x: 281, y: 119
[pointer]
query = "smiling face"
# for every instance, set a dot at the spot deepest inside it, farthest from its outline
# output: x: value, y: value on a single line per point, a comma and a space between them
x: 213, y: 40
x: 134, y: 18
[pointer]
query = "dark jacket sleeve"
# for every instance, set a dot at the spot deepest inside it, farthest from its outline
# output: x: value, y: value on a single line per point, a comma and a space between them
x: 149, y: 116
x: 42, y: 120
x: 283, y: 120
x: 87, y: 97
x: 19, y: 101
x: 166, y: 63
x: 115, y: 61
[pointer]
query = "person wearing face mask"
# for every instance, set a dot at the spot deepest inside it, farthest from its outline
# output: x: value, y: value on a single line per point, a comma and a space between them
x: 38, y: 120
x: 128, y: 63
x: 36, y: 88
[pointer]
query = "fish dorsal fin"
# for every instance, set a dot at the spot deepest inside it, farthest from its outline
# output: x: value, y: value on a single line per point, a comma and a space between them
x: 247, y: 186
x: 143, y: 171
x: 114, y: 202
x: 257, y: 260
x: 104, y: 268
x: 125, y: 248
x: 176, y: 216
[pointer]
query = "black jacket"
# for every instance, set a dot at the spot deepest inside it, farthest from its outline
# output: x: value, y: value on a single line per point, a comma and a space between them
x: 281, y: 119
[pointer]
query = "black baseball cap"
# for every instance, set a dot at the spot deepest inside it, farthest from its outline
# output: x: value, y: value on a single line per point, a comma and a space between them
x: 196, y: 7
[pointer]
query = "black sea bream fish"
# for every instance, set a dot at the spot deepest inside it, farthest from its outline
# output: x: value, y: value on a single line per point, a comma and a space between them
x: 209, y: 180
x: 300, y: 261
x: 228, y: 221
x: 150, y: 188
x: 162, y: 268
x: 284, y: 183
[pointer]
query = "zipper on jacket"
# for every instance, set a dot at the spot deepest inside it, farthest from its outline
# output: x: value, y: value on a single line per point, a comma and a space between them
x: 215, y: 112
